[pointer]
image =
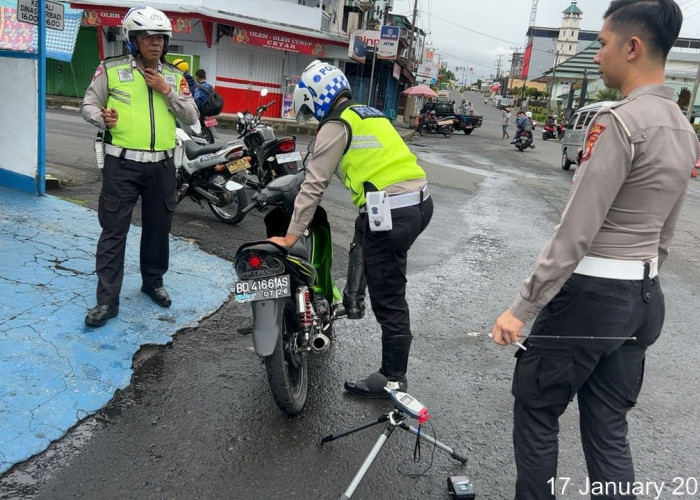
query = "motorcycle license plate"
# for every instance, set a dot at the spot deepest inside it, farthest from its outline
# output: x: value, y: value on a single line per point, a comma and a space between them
x: 238, y: 165
x: 210, y: 121
x: 263, y: 289
x: 287, y: 157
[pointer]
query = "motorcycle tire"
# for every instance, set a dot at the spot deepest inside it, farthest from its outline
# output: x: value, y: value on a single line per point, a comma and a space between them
x: 288, y: 371
x: 448, y: 132
x: 520, y: 146
x: 423, y: 131
x: 231, y: 213
x: 468, y: 131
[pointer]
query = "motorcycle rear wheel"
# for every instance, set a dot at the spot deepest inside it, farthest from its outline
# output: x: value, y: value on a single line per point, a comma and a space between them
x: 231, y: 213
x: 448, y: 132
x: 287, y: 370
x: 423, y: 130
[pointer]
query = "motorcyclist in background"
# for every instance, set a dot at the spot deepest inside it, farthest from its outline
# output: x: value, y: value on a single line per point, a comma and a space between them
x: 524, y: 124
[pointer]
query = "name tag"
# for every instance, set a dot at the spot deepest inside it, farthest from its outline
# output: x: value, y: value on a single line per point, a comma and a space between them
x: 126, y: 75
x: 171, y: 80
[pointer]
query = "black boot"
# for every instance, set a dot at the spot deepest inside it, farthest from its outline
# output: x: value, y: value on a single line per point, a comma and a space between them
x: 354, y: 292
x: 395, y: 350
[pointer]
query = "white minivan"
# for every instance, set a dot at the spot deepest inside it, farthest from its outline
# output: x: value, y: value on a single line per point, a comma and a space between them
x: 575, y: 133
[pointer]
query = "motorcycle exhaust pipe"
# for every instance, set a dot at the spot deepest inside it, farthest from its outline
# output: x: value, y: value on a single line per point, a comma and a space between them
x: 320, y: 343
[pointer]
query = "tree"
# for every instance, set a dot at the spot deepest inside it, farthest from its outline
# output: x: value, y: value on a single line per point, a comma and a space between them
x: 684, y: 98
x: 445, y: 75
x: 607, y: 95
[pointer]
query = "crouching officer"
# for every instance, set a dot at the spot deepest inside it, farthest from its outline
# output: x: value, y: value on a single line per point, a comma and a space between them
x: 595, y: 288
x: 362, y: 147
x: 135, y: 100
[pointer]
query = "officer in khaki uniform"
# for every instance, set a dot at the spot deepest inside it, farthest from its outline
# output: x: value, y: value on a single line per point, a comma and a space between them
x: 362, y: 147
x: 135, y: 100
x: 598, y: 275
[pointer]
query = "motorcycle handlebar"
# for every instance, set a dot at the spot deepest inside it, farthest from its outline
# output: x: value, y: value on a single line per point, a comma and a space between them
x: 248, y: 208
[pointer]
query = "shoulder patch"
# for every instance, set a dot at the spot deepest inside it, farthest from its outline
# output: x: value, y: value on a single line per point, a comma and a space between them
x: 98, y: 72
x: 593, y: 135
x: 367, y: 112
x: 184, y: 88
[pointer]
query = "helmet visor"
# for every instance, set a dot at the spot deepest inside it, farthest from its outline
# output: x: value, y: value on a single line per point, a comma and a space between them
x: 304, y: 114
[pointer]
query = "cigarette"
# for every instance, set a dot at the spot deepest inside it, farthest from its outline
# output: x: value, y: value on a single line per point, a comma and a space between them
x: 516, y: 343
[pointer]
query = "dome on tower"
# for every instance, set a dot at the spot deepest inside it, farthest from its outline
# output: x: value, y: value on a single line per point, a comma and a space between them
x: 573, y: 9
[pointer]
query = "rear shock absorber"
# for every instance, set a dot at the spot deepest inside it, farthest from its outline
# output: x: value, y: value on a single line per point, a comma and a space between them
x: 304, y: 311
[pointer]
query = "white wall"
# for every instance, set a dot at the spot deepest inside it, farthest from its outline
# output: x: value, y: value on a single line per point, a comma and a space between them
x: 19, y: 127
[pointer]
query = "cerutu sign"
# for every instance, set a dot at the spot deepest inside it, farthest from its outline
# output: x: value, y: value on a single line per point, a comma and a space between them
x: 28, y: 12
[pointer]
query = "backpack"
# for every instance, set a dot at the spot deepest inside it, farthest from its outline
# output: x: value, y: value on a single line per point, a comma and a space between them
x: 213, y: 104
x: 527, y: 125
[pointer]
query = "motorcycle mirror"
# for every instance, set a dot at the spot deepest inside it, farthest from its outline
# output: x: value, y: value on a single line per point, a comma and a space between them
x: 232, y: 185
x: 263, y: 92
x: 239, y: 115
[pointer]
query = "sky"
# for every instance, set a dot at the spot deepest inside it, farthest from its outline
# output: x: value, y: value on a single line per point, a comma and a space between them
x: 473, y: 33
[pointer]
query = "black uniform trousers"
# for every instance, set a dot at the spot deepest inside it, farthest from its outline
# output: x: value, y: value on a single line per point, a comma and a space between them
x: 123, y: 182
x: 605, y: 374
x: 385, y: 254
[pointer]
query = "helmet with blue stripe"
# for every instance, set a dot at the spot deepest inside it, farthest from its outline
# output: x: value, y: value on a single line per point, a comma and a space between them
x: 319, y: 87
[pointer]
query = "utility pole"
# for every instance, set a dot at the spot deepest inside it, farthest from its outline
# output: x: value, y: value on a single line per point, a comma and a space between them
x: 410, y: 40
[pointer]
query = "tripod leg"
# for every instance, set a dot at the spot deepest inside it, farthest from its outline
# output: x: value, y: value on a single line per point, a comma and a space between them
x: 454, y: 454
x: 368, y: 461
x: 333, y: 437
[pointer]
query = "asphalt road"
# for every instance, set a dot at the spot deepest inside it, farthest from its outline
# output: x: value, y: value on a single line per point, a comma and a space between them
x: 198, y: 420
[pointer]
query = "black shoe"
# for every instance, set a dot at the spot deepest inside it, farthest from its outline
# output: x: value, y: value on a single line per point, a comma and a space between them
x: 360, y: 388
x: 532, y: 146
x: 158, y: 295
x: 354, y: 309
x: 98, y: 315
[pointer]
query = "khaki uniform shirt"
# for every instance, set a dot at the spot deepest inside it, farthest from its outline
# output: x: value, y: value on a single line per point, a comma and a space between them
x: 331, y: 141
x: 626, y: 195
x: 179, y: 103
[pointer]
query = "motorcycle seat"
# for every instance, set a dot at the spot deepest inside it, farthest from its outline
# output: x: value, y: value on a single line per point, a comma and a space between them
x: 193, y: 150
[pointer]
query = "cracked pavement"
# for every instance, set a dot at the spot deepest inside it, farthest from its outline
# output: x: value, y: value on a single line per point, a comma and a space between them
x: 55, y: 370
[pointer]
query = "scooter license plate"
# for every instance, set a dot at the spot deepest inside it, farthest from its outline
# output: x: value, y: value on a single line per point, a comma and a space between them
x: 287, y: 157
x: 238, y: 165
x: 263, y: 289
x: 210, y: 121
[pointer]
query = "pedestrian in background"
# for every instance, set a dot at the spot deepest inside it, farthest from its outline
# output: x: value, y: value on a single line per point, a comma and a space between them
x: 506, y: 122
x: 597, y: 277
x: 135, y: 99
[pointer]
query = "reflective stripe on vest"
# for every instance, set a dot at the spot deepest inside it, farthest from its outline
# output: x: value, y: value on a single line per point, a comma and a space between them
x: 376, y: 154
x: 144, y: 121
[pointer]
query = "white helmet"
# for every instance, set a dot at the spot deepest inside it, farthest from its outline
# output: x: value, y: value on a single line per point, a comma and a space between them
x: 144, y: 20
x: 528, y: 114
x: 319, y: 87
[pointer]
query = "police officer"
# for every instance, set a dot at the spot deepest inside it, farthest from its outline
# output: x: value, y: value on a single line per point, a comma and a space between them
x: 135, y: 100
x: 374, y: 158
x: 597, y: 277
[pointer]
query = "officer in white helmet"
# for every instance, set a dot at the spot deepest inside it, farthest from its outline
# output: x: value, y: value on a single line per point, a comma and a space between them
x: 361, y: 146
x: 134, y: 99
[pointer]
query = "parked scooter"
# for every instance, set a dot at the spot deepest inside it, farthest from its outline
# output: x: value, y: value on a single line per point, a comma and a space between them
x: 290, y: 291
x: 202, y: 132
x: 203, y: 172
x: 548, y: 132
x: 431, y: 125
x: 271, y: 157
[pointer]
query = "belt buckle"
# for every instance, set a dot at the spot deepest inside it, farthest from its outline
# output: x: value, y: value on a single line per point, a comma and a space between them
x: 147, y: 156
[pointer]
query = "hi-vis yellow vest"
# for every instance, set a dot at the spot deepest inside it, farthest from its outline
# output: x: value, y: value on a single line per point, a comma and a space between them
x: 144, y: 121
x: 376, y: 152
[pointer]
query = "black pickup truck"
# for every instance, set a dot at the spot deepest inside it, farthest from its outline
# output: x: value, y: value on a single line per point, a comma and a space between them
x: 443, y: 109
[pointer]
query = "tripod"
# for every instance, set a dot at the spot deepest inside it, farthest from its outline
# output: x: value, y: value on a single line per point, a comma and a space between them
x: 393, y: 419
